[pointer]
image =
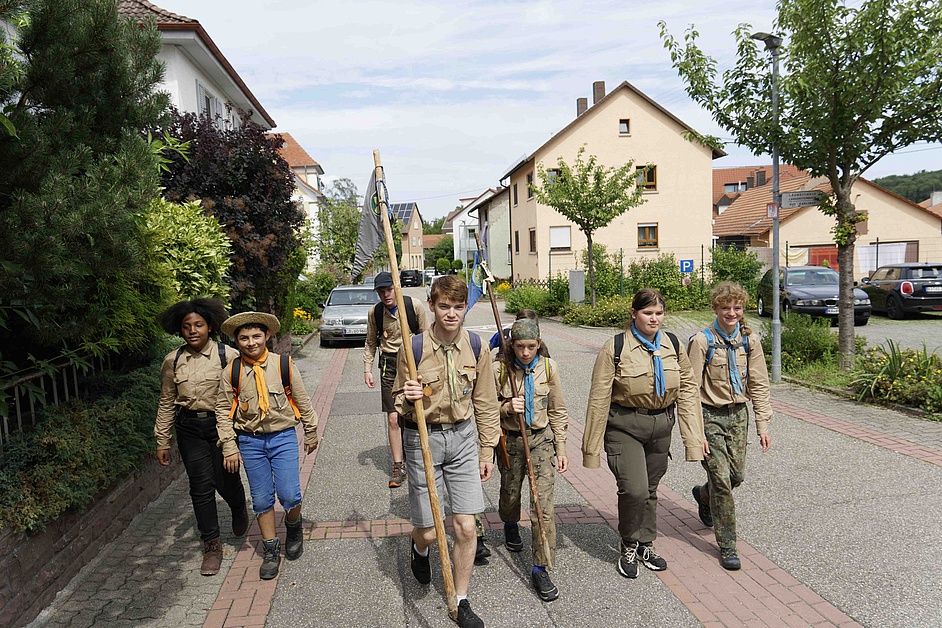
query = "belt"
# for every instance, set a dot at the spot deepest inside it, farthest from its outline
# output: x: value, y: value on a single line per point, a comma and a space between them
x: 647, y: 411
x: 432, y: 427
x: 729, y: 406
x: 198, y: 414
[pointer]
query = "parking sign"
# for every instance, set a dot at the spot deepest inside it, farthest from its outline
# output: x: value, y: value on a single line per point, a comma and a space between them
x: 686, y: 265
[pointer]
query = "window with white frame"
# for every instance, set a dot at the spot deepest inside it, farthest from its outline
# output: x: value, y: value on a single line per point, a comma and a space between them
x: 210, y: 105
x: 532, y: 239
x: 560, y: 238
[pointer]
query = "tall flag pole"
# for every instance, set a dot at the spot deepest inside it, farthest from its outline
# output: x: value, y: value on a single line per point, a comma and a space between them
x: 382, y: 212
x: 370, y: 234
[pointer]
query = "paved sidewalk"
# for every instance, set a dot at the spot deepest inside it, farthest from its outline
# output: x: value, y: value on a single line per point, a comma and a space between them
x: 838, y: 525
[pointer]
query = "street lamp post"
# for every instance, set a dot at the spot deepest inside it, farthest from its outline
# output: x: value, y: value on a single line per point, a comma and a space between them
x: 772, y: 44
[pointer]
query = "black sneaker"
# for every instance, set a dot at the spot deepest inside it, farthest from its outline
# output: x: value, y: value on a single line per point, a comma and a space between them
x: 294, y: 539
x: 512, y: 538
x: 729, y: 559
x: 628, y: 561
x: 482, y: 552
x: 466, y: 617
x: 271, y: 559
x: 544, y: 586
x: 706, y: 517
x: 420, y: 567
x: 649, y: 558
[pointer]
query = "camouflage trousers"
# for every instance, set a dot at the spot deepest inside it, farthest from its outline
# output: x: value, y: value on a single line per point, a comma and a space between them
x: 512, y: 479
x: 726, y: 431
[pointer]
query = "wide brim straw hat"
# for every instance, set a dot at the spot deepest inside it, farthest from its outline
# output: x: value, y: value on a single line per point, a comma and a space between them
x: 232, y: 323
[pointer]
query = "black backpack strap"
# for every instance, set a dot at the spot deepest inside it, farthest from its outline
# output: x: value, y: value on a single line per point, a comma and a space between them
x: 235, y: 375
x: 674, y: 342
x: 619, y: 345
x: 475, y: 344
x: 417, y: 348
x: 378, y: 320
x: 222, y: 354
x: 284, y: 365
x: 177, y: 359
x: 410, y: 315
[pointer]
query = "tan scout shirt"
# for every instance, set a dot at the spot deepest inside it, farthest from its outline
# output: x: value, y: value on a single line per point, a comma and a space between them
x: 477, y: 387
x: 193, y: 385
x: 549, y: 405
x: 248, y: 417
x: 715, y: 387
x: 391, y: 338
x: 634, y: 388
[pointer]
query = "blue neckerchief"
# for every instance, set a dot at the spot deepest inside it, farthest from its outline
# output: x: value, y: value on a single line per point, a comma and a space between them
x: 734, y: 379
x: 392, y: 310
x: 529, y: 390
x: 660, y: 387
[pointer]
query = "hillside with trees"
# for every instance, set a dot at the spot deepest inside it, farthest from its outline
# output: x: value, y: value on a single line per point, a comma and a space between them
x: 916, y: 187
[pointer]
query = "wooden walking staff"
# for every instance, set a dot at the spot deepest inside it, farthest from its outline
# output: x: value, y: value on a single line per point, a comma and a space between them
x: 447, y: 574
x: 521, y: 421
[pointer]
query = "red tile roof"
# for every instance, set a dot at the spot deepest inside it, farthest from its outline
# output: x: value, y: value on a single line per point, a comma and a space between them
x: 143, y: 9
x: 429, y: 240
x: 739, y: 174
x: 294, y: 154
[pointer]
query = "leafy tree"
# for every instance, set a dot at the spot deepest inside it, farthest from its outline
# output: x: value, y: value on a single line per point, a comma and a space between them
x: 590, y: 195
x: 442, y: 265
x: 733, y: 264
x: 77, y: 84
x: 915, y: 187
x: 434, y: 226
x: 859, y: 82
x: 444, y: 249
x: 247, y: 186
x: 338, y: 221
x: 457, y: 264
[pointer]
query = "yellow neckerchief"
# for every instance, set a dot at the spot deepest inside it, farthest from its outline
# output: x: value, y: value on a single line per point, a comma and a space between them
x: 259, y: 380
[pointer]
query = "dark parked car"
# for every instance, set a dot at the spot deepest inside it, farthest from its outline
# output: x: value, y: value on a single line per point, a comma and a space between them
x: 345, y: 313
x: 410, y: 278
x: 898, y: 289
x: 811, y: 290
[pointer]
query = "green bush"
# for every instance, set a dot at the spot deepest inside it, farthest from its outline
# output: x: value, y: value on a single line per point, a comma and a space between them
x: 895, y: 375
x: 608, y: 312
x: 663, y: 274
x: 607, y: 272
x: 314, y: 290
x: 807, y: 340
x: 78, y: 449
x: 733, y: 264
x: 527, y: 297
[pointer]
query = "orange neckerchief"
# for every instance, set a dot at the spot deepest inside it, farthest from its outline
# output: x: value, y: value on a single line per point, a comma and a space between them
x: 259, y: 381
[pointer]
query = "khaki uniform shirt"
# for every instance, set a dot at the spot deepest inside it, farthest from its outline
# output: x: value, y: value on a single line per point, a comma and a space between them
x: 633, y: 387
x: 248, y: 417
x: 477, y: 387
x: 715, y: 387
x: 193, y: 385
x: 549, y: 406
x: 391, y: 338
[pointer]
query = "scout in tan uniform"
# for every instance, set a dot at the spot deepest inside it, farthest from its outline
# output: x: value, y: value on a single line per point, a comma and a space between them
x: 631, y: 408
x: 189, y: 381
x: 389, y: 342
x: 729, y: 364
x: 540, y: 401
x: 454, y: 371
x: 257, y: 428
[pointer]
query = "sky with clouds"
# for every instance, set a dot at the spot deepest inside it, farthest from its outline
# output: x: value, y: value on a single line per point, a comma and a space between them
x: 453, y: 93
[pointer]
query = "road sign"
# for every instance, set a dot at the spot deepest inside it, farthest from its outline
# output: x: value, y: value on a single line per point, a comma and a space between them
x: 804, y: 198
x: 772, y: 210
x: 686, y: 265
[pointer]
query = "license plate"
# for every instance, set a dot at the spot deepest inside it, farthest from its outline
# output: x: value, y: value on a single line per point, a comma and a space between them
x: 830, y: 310
x: 356, y: 329
x: 933, y: 288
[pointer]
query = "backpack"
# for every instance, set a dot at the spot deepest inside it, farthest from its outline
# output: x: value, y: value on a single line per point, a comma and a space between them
x: 417, y: 346
x: 620, y: 344
x: 711, y: 347
x: 219, y: 347
x: 284, y: 367
x: 410, y: 316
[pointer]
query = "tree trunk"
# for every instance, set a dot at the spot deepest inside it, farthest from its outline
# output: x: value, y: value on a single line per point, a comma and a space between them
x: 846, y: 237
x: 588, y: 237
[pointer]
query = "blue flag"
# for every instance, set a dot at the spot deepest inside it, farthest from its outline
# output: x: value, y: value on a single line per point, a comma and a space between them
x: 475, y: 281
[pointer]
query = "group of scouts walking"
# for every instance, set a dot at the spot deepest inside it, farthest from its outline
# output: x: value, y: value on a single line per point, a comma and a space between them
x: 644, y: 381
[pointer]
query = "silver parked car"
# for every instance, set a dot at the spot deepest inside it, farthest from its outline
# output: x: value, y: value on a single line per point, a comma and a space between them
x: 345, y: 313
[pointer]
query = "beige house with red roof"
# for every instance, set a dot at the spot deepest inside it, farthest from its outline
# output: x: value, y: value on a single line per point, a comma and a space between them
x: 729, y: 183
x: 197, y: 75
x: 896, y: 229
x: 307, y: 183
x: 621, y: 125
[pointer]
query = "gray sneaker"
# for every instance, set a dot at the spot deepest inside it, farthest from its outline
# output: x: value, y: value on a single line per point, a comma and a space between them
x: 271, y: 560
x: 649, y: 558
x: 628, y: 561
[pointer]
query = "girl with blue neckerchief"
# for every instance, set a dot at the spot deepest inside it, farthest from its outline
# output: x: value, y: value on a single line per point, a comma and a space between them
x: 728, y: 362
x: 540, y: 402
x: 642, y: 383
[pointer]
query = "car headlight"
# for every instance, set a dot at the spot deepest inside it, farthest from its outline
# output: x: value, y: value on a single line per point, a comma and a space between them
x: 808, y: 302
x: 861, y: 301
x: 334, y: 321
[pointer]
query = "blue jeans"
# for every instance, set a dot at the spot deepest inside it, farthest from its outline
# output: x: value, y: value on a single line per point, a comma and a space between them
x: 272, y: 465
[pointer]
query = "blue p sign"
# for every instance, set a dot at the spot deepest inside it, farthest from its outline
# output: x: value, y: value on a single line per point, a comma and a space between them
x: 686, y: 265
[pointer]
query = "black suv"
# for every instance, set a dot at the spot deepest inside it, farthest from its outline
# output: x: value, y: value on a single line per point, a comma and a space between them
x: 410, y: 278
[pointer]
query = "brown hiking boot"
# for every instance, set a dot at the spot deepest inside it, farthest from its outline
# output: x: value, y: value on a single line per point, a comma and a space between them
x: 212, y: 557
x: 240, y: 521
x: 398, y: 477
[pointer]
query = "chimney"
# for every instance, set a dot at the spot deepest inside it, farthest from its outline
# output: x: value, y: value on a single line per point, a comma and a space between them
x: 750, y: 183
x: 936, y: 198
x: 598, y: 91
x: 581, y: 105
x: 760, y: 178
